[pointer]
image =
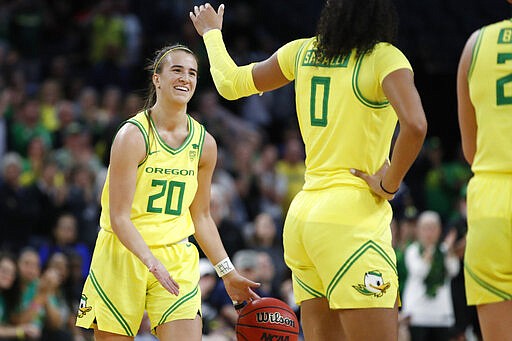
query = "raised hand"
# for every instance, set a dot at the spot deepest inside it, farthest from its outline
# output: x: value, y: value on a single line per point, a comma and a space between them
x: 205, y: 18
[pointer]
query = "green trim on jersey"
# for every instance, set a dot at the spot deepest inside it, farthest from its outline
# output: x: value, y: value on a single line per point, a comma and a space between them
x: 474, y: 54
x: 165, y: 146
x: 179, y: 302
x: 201, y: 140
x: 144, y: 134
x: 487, y: 286
x: 353, y: 258
x: 357, y: 91
x: 307, y: 288
x: 110, y: 305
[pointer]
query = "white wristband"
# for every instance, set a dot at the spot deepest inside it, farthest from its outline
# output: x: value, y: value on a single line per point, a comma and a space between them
x: 224, y: 267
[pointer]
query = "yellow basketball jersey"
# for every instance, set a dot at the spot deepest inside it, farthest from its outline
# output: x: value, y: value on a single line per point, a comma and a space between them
x: 166, y: 185
x: 344, y: 117
x: 490, y: 90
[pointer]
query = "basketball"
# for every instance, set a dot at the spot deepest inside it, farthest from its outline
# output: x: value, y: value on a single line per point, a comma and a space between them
x: 267, y: 319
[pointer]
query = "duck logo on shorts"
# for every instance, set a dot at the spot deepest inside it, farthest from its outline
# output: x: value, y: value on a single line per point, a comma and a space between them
x: 373, y: 284
x: 83, y: 308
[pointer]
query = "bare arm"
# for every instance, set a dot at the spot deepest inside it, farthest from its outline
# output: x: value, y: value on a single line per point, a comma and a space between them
x: 128, y: 149
x: 267, y: 74
x: 402, y: 94
x: 466, y: 111
x: 207, y: 234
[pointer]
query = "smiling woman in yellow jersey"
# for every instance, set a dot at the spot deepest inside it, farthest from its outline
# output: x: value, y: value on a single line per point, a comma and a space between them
x: 484, y: 89
x: 156, y: 195
x: 166, y: 183
x: 351, y: 87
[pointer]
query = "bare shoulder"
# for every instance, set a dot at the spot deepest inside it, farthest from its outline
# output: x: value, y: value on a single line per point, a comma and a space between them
x: 129, y: 140
x: 471, y: 42
x: 467, y: 52
x: 209, y: 152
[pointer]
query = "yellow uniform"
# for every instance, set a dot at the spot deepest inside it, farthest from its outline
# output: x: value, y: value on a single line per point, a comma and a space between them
x: 337, y: 238
x: 119, y: 287
x: 489, y: 193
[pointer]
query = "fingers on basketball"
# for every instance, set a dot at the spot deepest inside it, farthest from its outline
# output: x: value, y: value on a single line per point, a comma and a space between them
x: 267, y: 318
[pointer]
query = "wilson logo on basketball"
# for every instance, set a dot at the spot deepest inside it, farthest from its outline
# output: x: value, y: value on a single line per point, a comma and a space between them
x: 276, y: 318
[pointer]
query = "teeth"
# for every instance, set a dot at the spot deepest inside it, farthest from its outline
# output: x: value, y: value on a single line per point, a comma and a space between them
x: 181, y: 88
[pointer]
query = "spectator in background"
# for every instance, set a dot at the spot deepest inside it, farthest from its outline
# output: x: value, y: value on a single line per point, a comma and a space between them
x: 65, y: 111
x: 269, y: 278
x: 245, y: 177
x: 107, y: 45
x: 266, y: 237
x: 220, y: 120
x: 45, y: 200
x: 109, y: 117
x: 485, y: 122
x: 465, y: 315
x: 39, y: 304
x: 9, y: 301
x: 60, y: 326
x: 444, y: 179
x: 272, y: 184
x: 223, y: 178
x: 65, y: 240
x: 14, y: 228
x: 50, y: 94
x: 405, y: 234
x: 213, y: 325
x: 37, y: 153
x: 88, y: 112
x: 26, y: 126
x: 231, y: 234
x: 132, y: 104
x: 292, y: 167
x: 83, y: 202
x: 77, y: 150
x: 431, y: 264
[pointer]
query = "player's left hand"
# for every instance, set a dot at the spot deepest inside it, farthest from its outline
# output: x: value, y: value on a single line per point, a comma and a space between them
x: 375, y: 181
x: 240, y: 288
x: 205, y: 18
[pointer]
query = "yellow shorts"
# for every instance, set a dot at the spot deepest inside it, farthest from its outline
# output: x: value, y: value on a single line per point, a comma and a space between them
x: 119, y: 287
x: 337, y: 242
x: 488, y: 257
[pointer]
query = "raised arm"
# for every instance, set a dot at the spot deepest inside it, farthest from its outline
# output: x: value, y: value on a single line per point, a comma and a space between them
x: 466, y: 111
x: 233, y: 81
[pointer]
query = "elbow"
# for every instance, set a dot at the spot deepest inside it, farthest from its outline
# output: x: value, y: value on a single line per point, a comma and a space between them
x: 226, y: 89
x: 420, y: 128
x: 116, y: 221
x: 417, y: 129
x: 229, y: 95
x: 468, y: 155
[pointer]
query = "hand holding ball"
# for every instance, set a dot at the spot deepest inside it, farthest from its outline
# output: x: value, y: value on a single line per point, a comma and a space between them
x: 267, y: 318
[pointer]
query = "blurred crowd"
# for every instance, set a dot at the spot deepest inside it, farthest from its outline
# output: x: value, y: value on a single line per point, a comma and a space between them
x: 71, y: 72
